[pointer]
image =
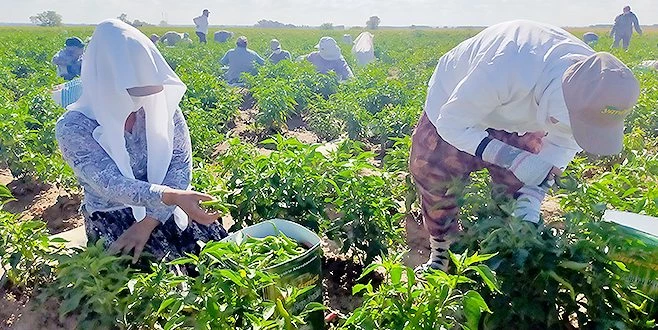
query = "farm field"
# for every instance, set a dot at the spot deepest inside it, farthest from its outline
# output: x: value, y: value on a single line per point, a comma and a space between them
x: 297, y: 145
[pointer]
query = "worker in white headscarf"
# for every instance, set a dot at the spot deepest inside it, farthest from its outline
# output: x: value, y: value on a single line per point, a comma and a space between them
x: 328, y: 57
x: 364, y: 48
x: 521, y: 99
x: 129, y: 146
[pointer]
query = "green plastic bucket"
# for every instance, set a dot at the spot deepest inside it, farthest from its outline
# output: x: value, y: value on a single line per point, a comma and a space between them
x: 303, y: 271
x: 634, y: 241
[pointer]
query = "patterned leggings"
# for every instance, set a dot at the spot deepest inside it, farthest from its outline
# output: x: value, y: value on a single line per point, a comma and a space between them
x: 167, y: 240
x: 436, y: 166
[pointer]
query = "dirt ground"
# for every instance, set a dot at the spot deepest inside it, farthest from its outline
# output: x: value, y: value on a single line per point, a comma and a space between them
x: 27, y: 313
x: 57, y: 207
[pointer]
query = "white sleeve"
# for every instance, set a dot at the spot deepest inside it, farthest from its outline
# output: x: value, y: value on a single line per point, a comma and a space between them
x: 478, y: 94
x: 557, y: 151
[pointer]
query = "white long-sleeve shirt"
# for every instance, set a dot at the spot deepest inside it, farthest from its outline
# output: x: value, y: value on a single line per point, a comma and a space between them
x: 508, y: 77
x: 201, y: 23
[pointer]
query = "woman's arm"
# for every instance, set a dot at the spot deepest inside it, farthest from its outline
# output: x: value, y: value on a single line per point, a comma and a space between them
x: 94, y: 166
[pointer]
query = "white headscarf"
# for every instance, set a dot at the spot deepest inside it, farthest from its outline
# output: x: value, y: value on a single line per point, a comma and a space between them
x: 364, y: 48
x: 119, y: 57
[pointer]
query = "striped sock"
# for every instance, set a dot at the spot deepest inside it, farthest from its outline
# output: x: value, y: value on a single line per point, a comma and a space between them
x: 438, y: 253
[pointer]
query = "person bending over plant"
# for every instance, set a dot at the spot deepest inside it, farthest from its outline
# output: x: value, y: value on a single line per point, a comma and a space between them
x: 129, y: 146
x: 520, y: 99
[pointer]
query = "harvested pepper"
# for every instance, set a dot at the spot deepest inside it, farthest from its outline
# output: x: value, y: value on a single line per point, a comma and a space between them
x: 262, y: 253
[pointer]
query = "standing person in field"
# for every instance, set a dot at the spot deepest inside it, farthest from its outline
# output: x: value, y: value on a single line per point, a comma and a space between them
x: 201, y: 24
x: 278, y: 54
x: 520, y: 99
x: 240, y: 60
x: 129, y: 146
x: 623, y: 28
x: 69, y: 59
x: 329, y: 58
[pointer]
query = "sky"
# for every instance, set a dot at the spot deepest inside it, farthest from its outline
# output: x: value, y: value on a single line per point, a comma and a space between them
x: 338, y: 12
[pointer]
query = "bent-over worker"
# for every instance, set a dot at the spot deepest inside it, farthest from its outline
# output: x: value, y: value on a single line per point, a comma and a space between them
x: 520, y: 99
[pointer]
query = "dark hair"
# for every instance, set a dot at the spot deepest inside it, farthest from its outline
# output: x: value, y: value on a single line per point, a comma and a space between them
x: 74, y: 42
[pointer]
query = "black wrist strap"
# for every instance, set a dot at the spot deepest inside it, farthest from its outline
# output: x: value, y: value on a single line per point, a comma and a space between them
x: 483, y: 145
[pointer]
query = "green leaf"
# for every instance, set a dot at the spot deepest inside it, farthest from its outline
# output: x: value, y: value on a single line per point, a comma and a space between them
x: 269, y: 310
x: 174, y: 323
x: 396, y: 274
x: 579, y: 266
x: 314, y: 307
x: 233, y: 276
x: 369, y: 270
x: 621, y: 265
x: 5, y: 195
x: 477, y: 258
x: 182, y: 261
x: 360, y: 287
x: 166, y: 304
x: 564, y: 282
x: 474, y: 305
x: 487, y: 276
x: 70, y: 304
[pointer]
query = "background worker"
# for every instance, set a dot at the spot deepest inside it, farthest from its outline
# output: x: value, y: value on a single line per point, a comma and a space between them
x: 69, y: 59
x: 240, y: 60
x: 278, y: 54
x: 328, y: 57
x: 622, y: 30
x: 201, y: 24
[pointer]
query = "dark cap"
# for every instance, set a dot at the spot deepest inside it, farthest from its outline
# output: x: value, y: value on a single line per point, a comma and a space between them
x: 206, y: 11
x: 74, y: 42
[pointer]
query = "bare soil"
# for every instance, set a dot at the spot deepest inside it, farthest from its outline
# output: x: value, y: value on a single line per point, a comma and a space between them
x: 25, y: 312
x: 339, y: 276
x: 56, y: 207
x: 417, y: 241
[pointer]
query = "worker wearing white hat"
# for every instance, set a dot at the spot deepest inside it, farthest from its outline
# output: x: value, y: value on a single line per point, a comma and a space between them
x: 520, y: 99
x: 329, y: 58
x: 278, y: 54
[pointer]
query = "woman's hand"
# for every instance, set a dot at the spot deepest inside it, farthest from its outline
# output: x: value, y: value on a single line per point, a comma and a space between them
x: 134, y: 238
x: 188, y: 201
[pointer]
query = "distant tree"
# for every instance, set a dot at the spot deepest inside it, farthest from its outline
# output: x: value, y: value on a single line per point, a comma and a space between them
x: 47, y: 18
x: 373, y: 22
x: 164, y: 23
x: 265, y: 23
x: 124, y: 18
x: 327, y: 26
x: 138, y: 23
